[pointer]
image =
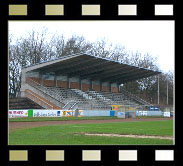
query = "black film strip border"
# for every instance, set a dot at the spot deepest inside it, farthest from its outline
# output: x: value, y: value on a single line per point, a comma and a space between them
x: 73, y: 154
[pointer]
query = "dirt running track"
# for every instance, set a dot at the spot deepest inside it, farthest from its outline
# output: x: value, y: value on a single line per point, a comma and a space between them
x: 23, y: 125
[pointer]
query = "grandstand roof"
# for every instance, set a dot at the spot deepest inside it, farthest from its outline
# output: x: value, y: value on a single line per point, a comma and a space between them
x: 91, y: 67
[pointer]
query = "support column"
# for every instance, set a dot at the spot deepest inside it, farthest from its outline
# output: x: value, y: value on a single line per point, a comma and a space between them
x: 68, y: 82
x: 80, y: 84
x: 110, y: 87
x: 118, y: 85
x: 55, y: 80
x: 23, y: 79
x: 100, y: 86
x: 41, y: 78
x: 91, y: 85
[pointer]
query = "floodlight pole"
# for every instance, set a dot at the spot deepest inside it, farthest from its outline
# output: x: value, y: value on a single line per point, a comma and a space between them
x: 158, y: 89
x: 167, y: 92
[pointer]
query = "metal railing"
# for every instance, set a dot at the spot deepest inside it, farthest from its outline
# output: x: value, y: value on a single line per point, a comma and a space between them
x: 31, y: 96
x: 36, y: 85
x: 42, y: 89
x: 68, y: 96
x: 72, y: 106
x: 53, y: 93
x: 135, y: 97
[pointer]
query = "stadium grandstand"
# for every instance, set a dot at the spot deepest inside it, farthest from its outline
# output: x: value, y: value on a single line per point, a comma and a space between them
x: 81, y: 81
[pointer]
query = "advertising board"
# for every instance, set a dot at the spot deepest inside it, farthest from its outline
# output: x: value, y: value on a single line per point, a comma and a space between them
x: 46, y: 113
x: 154, y: 108
x: 55, y: 113
x: 80, y: 113
x: 43, y: 113
x: 121, y: 115
x: 18, y: 113
x: 115, y: 107
x: 141, y: 113
x: 166, y: 114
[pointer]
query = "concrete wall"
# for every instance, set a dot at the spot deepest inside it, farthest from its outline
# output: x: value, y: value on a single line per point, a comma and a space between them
x: 114, y: 88
x: 50, y: 80
x: 96, y: 85
x: 48, y: 83
x: 74, y: 83
x: 48, y: 77
x: 34, y: 76
x: 105, y: 87
x: 85, y: 85
x: 62, y: 81
x: 96, y: 88
x: 34, y: 79
x: 62, y: 84
x: 154, y: 113
x: 96, y: 113
x: 61, y: 78
x: 149, y: 113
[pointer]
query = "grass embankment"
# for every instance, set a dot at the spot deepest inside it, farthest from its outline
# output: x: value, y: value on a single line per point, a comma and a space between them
x: 72, y: 134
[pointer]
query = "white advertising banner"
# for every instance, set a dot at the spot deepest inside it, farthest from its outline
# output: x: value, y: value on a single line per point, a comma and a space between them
x: 141, y: 113
x: 55, y: 113
x: 18, y: 113
x: 47, y: 113
x: 166, y: 114
x: 44, y: 113
x: 144, y: 113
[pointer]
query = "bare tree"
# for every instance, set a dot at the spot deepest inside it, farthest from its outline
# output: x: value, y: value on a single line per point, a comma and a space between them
x: 14, y: 71
x: 22, y: 52
x: 73, y: 45
x: 36, y: 48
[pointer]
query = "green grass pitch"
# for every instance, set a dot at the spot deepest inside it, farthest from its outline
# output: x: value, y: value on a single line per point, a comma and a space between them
x: 39, y: 119
x: 72, y: 134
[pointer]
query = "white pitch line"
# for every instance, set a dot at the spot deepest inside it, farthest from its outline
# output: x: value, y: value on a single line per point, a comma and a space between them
x: 130, y: 136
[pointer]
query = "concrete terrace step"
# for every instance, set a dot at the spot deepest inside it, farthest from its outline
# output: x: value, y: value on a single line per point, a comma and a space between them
x: 40, y: 100
x: 86, y: 98
x: 23, y: 103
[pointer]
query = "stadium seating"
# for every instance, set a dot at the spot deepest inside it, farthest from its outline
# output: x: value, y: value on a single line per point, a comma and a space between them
x: 90, y: 100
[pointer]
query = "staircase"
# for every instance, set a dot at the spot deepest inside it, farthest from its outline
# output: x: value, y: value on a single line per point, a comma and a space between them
x: 42, y: 95
x: 83, y: 94
x: 23, y: 103
x: 40, y: 100
x: 136, y: 98
x: 99, y: 96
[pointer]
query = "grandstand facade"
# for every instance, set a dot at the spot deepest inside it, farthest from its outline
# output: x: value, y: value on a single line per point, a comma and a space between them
x: 81, y: 81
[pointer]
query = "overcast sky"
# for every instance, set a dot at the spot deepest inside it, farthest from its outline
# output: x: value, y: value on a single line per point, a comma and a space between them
x: 153, y: 37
